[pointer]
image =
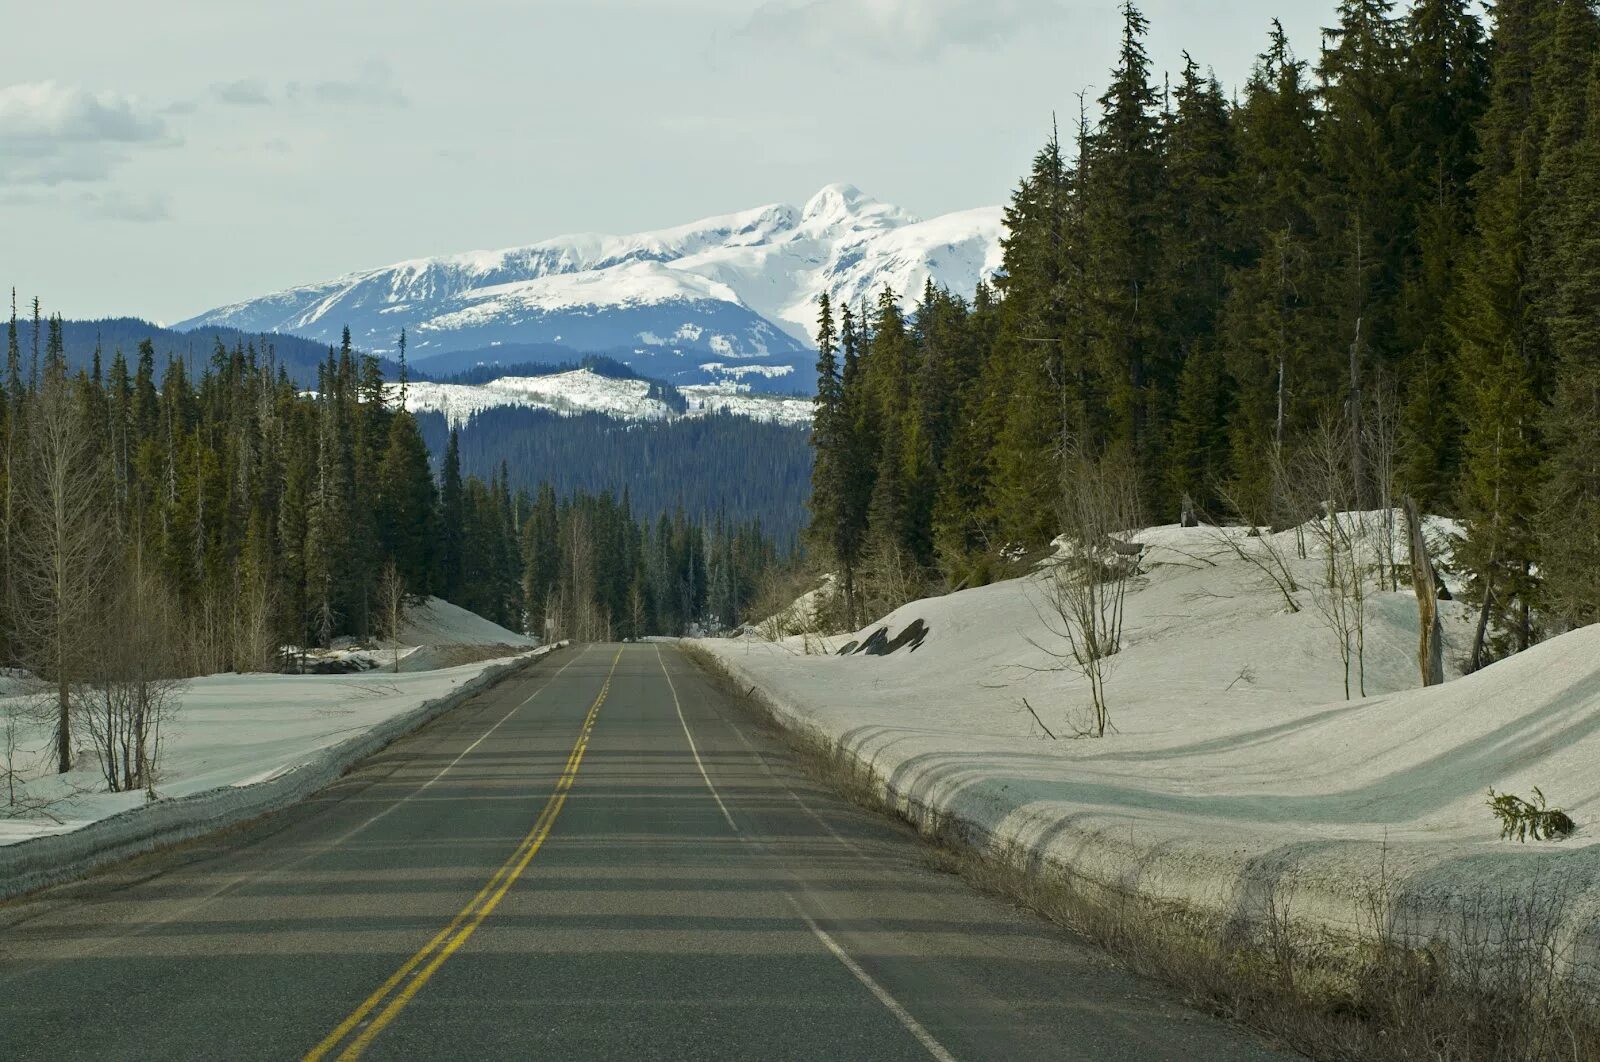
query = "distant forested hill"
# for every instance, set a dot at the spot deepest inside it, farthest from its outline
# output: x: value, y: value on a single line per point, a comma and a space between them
x: 744, y: 468
x: 299, y: 356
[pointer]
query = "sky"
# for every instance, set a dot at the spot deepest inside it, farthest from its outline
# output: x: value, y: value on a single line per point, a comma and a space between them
x: 161, y: 158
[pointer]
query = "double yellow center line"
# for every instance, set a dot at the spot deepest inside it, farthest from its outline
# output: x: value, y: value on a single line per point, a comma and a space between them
x: 393, y: 995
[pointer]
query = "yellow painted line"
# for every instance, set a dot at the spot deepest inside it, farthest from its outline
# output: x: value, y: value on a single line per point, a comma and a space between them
x: 416, y: 971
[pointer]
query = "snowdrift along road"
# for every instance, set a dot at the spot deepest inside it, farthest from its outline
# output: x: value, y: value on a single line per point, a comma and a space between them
x: 241, y: 745
x: 1237, y: 771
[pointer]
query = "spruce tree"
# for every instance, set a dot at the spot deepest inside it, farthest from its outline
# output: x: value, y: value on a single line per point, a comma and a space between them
x: 1269, y: 329
x: 1442, y: 99
x: 1042, y: 386
x: 406, y: 503
x: 1122, y: 193
x: 1502, y: 351
x: 1201, y: 246
x: 1569, y: 525
x: 451, y: 575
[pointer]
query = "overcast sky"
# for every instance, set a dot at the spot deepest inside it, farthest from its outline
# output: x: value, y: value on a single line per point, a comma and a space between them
x: 163, y: 157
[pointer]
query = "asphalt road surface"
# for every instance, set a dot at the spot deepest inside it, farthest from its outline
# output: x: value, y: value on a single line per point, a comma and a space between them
x: 601, y: 858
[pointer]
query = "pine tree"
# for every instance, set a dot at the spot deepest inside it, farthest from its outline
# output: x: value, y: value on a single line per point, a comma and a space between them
x: 856, y: 464
x: 1041, y: 385
x: 1502, y: 351
x: 1201, y: 246
x: 826, y: 433
x: 1269, y: 330
x: 1123, y: 189
x: 451, y: 575
x: 1441, y: 102
x: 1569, y: 525
x: 406, y: 503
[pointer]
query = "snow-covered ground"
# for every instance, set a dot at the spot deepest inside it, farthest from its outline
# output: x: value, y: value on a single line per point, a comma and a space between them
x: 234, y: 731
x: 1236, y: 768
x: 583, y: 391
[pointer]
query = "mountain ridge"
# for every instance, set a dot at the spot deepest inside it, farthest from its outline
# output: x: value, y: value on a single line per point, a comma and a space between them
x: 689, y: 303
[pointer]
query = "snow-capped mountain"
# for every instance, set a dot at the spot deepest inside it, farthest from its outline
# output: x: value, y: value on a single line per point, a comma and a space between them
x: 702, y: 302
x: 583, y: 391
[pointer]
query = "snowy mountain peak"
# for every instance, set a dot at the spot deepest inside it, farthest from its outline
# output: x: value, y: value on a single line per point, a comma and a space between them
x: 844, y: 208
x: 687, y: 304
x: 832, y: 201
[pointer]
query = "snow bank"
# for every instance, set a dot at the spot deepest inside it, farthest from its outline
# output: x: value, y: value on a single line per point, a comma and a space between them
x: 1237, y: 770
x: 241, y: 746
x: 434, y: 634
x: 438, y: 622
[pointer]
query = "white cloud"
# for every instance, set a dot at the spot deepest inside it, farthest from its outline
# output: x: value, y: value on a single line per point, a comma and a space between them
x: 897, y: 29
x: 51, y: 133
x: 247, y: 91
x: 373, y: 86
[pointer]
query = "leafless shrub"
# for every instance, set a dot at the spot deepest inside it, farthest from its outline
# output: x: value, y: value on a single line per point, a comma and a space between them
x: 888, y: 578
x: 1259, y: 547
x: 1344, y: 537
x: 18, y: 715
x: 133, y: 687
x: 1084, y: 591
x: 209, y: 633
x: 791, y: 603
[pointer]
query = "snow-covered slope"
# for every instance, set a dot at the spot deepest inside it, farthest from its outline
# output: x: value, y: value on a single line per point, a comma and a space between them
x: 687, y: 304
x: 1236, y: 763
x: 583, y: 391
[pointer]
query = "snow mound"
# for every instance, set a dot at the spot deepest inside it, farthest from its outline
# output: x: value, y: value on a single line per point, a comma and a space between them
x: 1236, y: 764
x: 437, y: 622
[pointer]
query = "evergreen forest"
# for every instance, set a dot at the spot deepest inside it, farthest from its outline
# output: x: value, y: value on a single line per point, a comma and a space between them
x: 1386, y: 247
x: 247, y: 516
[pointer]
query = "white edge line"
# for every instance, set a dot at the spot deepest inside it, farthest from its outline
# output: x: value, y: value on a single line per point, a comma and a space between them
x: 892, y: 1005
x: 906, y: 1018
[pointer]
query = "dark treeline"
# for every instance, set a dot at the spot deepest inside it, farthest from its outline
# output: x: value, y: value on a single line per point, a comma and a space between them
x: 301, y: 358
x: 1396, y: 246
x: 592, y: 571
x: 748, y: 469
x: 233, y: 514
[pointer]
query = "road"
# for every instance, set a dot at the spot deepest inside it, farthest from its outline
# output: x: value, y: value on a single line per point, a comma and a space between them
x: 601, y: 858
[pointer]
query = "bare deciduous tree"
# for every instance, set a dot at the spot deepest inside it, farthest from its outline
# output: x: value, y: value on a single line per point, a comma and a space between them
x: 61, y: 554
x: 392, y: 609
x: 1381, y: 428
x: 255, y: 642
x: 636, y: 611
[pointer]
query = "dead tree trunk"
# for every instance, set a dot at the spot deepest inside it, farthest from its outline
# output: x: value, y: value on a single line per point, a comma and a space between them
x: 1430, y: 649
